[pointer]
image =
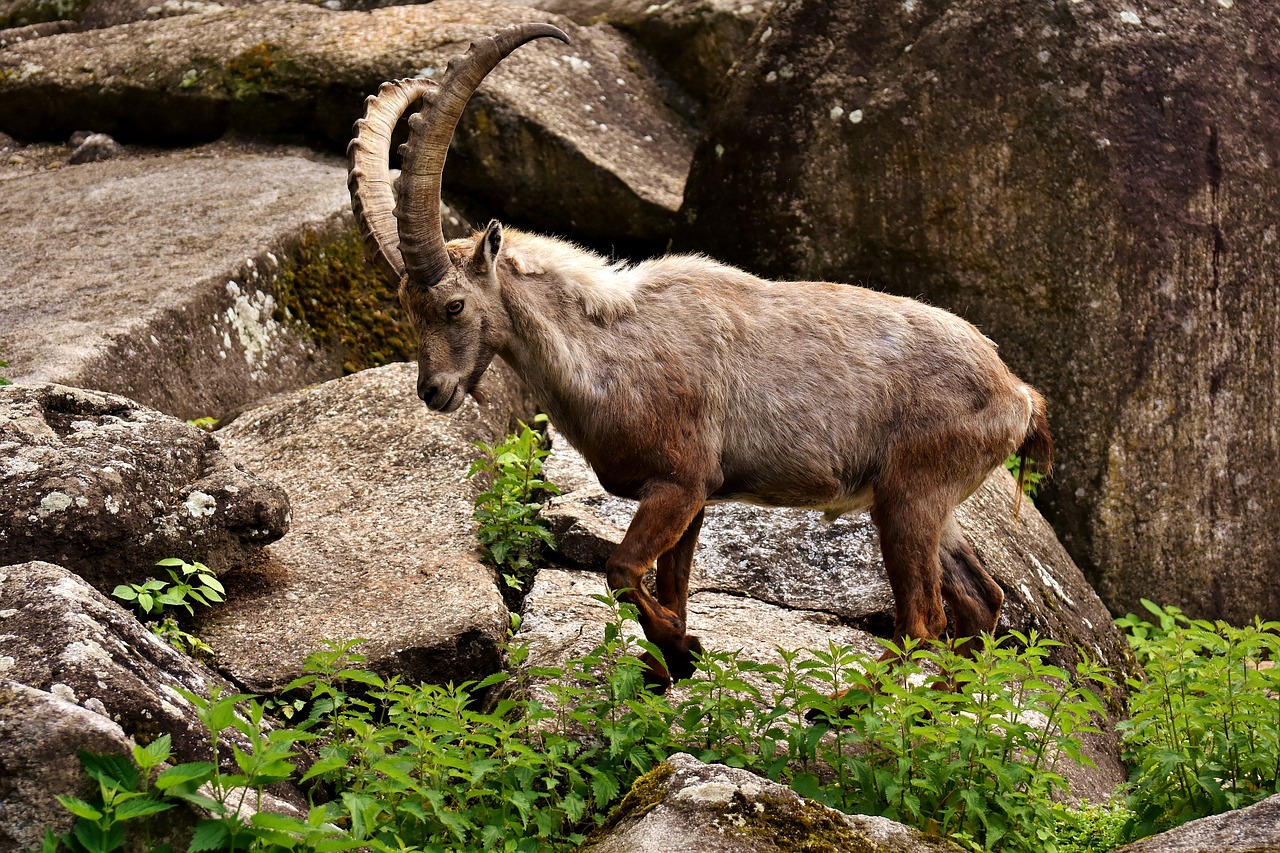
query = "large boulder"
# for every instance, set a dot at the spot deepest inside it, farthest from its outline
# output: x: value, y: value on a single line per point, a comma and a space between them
x: 574, y: 137
x: 1093, y: 184
x: 1255, y: 829
x: 193, y: 282
x: 382, y: 545
x: 685, y: 805
x: 106, y: 487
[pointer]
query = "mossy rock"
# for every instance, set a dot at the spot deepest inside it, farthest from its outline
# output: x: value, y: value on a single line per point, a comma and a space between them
x: 720, y: 809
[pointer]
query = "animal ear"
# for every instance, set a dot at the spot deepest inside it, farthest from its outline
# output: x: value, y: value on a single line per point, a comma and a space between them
x: 488, y: 246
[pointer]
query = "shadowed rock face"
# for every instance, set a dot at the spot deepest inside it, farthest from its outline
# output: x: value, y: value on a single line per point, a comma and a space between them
x: 106, y: 487
x: 1091, y: 183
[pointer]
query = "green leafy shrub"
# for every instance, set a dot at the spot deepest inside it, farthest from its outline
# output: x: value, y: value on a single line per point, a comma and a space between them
x: 411, y: 766
x: 4, y: 381
x: 1204, y: 732
x: 975, y: 763
x: 511, y: 533
x: 187, y: 582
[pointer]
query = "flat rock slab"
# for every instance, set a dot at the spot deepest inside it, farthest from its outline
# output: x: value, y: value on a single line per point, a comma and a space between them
x: 686, y: 805
x: 153, y: 278
x: 573, y: 137
x: 382, y: 545
x: 562, y: 620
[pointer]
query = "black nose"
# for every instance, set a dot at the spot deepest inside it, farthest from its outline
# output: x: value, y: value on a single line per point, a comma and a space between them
x: 428, y: 390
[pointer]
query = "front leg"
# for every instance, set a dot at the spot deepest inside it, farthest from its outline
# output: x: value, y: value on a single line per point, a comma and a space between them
x: 665, y: 514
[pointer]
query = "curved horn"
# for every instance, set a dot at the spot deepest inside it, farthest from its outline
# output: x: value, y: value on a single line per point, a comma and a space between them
x: 369, y: 178
x: 430, y: 132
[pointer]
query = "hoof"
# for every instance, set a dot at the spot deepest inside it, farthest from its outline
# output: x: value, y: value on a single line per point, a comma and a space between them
x: 655, y: 675
x: 681, y: 662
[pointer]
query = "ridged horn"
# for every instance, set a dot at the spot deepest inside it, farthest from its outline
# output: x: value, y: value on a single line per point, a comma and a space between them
x: 373, y: 197
x: 430, y: 132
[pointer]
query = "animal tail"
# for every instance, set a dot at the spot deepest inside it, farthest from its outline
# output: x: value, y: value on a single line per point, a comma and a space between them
x: 1037, y: 444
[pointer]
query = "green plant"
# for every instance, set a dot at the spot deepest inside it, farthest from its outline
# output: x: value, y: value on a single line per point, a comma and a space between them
x: 1204, y: 732
x: 1089, y: 828
x: 4, y: 381
x: 411, y: 766
x: 207, y: 424
x: 1029, y: 478
x: 511, y: 533
x: 124, y: 794
x: 128, y: 792
x: 187, y: 582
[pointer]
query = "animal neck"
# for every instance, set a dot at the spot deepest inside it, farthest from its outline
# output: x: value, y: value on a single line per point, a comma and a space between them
x: 555, y: 348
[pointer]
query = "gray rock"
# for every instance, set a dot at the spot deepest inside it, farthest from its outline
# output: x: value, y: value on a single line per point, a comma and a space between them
x: 106, y: 487
x: 685, y: 806
x: 1255, y: 829
x: 40, y: 734
x: 695, y: 41
x: 562, y: 620
x: 382, y: 543
x: 64, y: 637
x: 14, y: 35
x: 1092, y: 184
x: 576, y: 138
x: 95, y: 147
x: 192, y: 282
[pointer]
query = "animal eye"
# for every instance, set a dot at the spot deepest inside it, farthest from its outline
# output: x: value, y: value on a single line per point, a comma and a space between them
x: 454, y: 308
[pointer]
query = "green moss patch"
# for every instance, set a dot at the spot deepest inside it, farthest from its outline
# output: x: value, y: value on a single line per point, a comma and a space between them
x: 42, y: 11
x: 328, y: 286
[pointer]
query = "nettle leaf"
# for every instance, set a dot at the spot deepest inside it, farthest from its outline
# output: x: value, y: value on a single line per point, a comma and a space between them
x: 79, y: 807
x: 114, y: 771
x: 209, y: 835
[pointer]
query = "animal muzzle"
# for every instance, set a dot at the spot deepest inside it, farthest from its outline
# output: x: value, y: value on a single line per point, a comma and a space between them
x: 441, y: 393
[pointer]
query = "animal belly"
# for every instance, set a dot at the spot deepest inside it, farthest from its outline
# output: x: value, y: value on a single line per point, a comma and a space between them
x: 831, y: 506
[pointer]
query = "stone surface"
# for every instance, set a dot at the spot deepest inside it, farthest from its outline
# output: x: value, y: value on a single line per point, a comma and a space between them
x: 695, y: 41
x: 1255, y: 829
x: 572, y: 137
x: 106, y: 487
x: 382, y: 545
x: 62, y: 636
x: 40, y: 734
x: 685, y: 806
x: 167, y: 279
x: 94, y: 147
x: 1093, y: 184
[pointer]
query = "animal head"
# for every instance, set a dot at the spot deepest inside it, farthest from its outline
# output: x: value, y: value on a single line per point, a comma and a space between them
x: 450, y: 290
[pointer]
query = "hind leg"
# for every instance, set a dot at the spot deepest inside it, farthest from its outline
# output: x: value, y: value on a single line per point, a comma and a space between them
x: 910, y: 530
x: 972, y: 594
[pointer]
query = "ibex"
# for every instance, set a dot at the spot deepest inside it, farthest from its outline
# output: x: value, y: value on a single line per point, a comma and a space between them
x: 685, y: 382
